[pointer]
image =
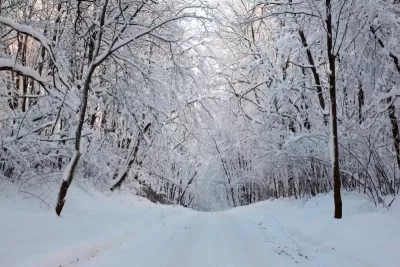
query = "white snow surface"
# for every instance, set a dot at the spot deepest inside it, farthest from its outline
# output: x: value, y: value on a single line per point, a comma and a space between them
x: 124, y: 230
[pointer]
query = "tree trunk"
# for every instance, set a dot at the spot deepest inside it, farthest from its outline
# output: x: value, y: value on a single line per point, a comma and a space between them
x: 69, y: 171
x: 78, y: 136
x: 67, y: 182
x: 360, y: 95
x: 180, y: 201
x: 226, y: 173
x: 24, y: 86
x: 132, y: 160
x: 314, y: 71
x: 395, y: 132
x: 392, y: 109
x: 334, y: 132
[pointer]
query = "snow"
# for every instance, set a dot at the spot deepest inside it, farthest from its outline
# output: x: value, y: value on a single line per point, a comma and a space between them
x: 6, y: 63
x: 27, y: 30
x: 68, y: 169
x: 9, y: 3
x: 125, y: 230
x: 46, y: 43
x: 117, y: 45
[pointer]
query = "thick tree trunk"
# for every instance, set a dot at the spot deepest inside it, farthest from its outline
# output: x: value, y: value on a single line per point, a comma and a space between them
x: 395, y: 132
x: 69, y: 171
x: 334, y: 131
x: 276, y: 193
x: 67, y: 182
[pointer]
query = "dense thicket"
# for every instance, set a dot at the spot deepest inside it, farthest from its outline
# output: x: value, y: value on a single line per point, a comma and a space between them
x: 95, y: 90
x: 277, y: 69
x: 195, y: 103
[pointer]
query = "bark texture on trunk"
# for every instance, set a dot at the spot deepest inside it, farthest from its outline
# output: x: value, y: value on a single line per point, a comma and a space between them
x: 395, y: 132
x: 334, y: 132
x: 66, y: 183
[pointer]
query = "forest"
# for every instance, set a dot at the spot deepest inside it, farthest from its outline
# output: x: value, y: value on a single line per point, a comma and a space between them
x: 207, y: 104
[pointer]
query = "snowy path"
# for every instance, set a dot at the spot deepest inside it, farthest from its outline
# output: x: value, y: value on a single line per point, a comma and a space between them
x: 210, y: 240
x: 191, y: 239
x: 125, y: 231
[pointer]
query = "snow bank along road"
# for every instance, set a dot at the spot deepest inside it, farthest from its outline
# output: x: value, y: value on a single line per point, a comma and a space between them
x: 278, y: 233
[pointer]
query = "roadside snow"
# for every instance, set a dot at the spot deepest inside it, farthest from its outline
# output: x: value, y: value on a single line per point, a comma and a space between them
x: 366, y: 236
x: 123, y: 230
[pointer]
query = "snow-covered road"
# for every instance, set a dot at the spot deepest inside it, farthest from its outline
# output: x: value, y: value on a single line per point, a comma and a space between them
x: 223, y: 239
x: 98, y: 231
x: 196, y: 240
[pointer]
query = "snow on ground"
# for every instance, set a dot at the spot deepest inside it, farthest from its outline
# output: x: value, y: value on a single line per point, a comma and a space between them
x: 123, y: 230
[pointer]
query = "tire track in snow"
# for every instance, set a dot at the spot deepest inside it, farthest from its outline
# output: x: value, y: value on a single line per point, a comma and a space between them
x: 151, y: 248
x: 259, y: 252
x: 185, y: 242
x: 305, y: 246
x: 335, y: 256
x: 77, y: 254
